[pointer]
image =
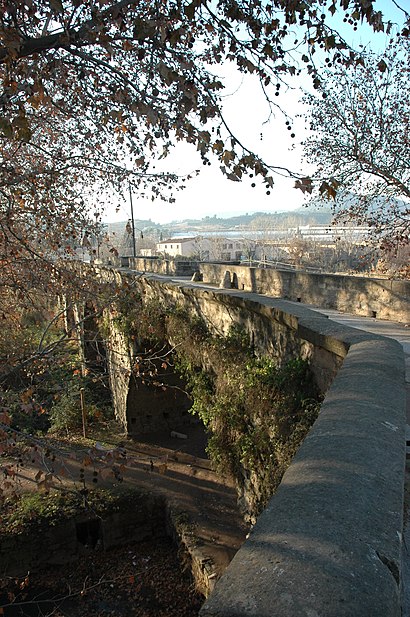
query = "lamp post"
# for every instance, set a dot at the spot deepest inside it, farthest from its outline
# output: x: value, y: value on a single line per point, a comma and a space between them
x: 134, y: 252
x: 131, y: 227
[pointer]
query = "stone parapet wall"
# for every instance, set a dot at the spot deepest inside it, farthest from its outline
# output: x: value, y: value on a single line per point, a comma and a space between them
x: 370, y: 297
x: 170, y: 267
x: 276, y: 327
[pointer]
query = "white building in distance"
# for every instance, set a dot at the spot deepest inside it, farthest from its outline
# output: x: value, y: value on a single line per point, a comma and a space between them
x: 186, y: 247
x: 216, y: 248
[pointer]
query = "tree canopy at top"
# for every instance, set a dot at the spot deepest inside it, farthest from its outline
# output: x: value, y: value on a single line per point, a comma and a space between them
x: 141, y: 74
x: 93, y: 91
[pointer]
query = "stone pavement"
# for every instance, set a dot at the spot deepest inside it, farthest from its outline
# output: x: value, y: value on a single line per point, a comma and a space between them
x: 391, y: 329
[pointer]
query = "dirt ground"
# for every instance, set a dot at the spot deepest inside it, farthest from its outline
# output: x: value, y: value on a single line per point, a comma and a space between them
x: 179, y: 469
x: 147, y: 579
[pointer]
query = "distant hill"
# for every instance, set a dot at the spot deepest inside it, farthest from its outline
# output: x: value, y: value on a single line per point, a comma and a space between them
x: 251, y: 221
x: 246, y: 222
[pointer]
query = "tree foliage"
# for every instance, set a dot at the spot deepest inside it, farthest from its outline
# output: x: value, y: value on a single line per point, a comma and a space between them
x: 103, y: 74
x: 92, y: 92
x: 361, y: 143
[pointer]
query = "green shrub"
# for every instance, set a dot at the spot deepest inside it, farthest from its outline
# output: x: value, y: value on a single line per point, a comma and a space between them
x: 257, y: 413
x: 66, y: 416
x: 34, y: 510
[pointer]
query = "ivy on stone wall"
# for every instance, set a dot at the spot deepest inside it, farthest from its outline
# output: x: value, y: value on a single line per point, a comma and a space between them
x: 137, y: 319
x: 257, y: 412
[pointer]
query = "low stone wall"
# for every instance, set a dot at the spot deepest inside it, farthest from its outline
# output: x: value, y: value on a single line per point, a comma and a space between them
x: 169, y: 267
x: 382, y: 298
x: 370, y: 297
x: 139, y: 519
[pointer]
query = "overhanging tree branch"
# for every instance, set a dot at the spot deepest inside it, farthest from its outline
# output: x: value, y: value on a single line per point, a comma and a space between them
x: 78, y: 36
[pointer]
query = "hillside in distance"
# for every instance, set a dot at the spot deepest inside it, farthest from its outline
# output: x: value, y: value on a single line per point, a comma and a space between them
x: 258, y: 221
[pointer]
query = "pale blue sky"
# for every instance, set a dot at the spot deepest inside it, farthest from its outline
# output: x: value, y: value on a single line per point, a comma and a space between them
x: 246, y: 111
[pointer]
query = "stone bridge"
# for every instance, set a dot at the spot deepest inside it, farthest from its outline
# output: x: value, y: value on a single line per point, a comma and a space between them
x: 330, y: 542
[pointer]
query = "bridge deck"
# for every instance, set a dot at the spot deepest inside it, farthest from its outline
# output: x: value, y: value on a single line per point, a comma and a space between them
x: 397, y: 331
x: 390, y: 329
